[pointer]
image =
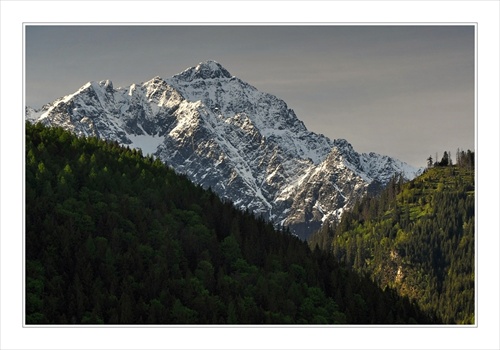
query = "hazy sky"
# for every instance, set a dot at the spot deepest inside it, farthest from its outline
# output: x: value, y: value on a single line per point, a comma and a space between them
x: 402, y: 91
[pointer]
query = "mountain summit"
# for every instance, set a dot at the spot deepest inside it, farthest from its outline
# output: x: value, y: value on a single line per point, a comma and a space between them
x: 204, y: 70
x: 223, y: 133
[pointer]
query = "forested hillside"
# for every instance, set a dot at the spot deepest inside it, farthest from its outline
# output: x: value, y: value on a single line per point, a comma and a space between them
x: 117, y: 238
x: 416, y: 237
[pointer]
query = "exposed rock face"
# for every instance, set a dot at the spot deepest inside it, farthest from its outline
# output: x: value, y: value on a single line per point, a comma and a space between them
x: 223, y: 133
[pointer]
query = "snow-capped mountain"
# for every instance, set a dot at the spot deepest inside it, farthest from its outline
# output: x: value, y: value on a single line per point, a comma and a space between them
x: 246, y: 145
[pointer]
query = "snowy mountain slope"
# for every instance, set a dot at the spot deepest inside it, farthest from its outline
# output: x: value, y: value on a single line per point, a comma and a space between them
x: 223, y: 133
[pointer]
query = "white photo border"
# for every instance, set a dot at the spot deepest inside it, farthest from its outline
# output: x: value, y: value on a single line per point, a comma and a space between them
x: 14, y: 15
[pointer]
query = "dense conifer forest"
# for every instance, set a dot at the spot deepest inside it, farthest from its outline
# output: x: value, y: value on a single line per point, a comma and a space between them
x: 416, y: 237
x: 115, y: 237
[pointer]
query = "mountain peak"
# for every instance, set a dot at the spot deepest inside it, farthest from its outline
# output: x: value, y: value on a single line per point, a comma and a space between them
x: 107, y: 85
x: 204, y: 70
x: 222, y: 133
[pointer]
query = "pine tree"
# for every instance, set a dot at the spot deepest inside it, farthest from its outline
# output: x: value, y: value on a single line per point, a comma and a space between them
x: 429, y: 162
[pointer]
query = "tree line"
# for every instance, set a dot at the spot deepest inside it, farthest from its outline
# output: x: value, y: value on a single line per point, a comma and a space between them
x: 462, y: 159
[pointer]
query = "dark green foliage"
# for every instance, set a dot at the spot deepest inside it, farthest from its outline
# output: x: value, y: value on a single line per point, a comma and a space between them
x: 117, y: 238
x: 416, y: 237
x: 446, y: 160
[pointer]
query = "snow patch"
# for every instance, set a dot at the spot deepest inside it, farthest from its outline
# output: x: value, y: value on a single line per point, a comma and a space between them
x: 147, y: 143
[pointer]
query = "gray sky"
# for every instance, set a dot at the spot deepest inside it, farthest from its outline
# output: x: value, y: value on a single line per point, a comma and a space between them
x: 402, y: 91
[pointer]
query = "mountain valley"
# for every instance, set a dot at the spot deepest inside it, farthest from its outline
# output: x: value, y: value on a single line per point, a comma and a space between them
x: 189, y: 200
